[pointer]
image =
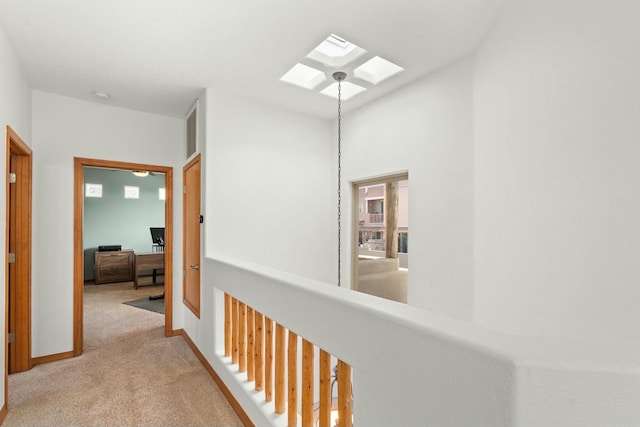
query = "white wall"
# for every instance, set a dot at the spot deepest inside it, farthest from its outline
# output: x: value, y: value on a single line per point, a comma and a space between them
x: 269, y: 187
x: 15, y: 102
x: 64, y: 128
x: 112, y: 218
x: 557, y: 176
x: 425, y: 128
x: 15, y: 111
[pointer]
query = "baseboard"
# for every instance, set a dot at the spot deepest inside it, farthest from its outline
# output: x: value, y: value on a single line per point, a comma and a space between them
x: 3, y: 411
x: 246, y: 421
x: 51, y: 358
x: 179, y: 332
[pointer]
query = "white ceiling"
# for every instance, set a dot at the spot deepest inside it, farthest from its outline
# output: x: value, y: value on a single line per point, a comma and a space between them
x: 158, y: 55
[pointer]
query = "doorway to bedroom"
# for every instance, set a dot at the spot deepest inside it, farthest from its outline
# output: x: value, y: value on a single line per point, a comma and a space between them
x: 123, y: 238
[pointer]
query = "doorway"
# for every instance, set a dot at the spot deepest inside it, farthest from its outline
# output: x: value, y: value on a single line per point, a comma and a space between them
x: 380, y: 241
x: 79, y: 168
x: 18, y: 250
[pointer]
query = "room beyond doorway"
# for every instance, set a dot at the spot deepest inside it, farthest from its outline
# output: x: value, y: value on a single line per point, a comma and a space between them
x: 380, y: 264
x: 79, y: 171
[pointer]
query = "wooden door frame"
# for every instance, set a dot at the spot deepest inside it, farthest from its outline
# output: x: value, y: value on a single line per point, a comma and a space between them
x: 78, y: 249
x: 15, y: 146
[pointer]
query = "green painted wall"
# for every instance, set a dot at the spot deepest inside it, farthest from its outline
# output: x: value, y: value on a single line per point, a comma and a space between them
x: 114, y: 220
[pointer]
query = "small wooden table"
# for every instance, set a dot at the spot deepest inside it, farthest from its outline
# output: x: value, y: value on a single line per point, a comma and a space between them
x: 147, y: 261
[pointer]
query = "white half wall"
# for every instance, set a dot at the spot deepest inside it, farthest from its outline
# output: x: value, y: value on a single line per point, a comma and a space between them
x: 557, y: 176
x: 15, y: 111
x: 416, y: 368
x: 426, y: 129
x: 64, y: 128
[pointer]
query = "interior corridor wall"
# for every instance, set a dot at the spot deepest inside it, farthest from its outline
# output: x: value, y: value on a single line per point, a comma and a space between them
x: 64, y: 128
x: 15, y: 111
x: 557, y: 107
x: 269, y: 187
x: 424, y: 128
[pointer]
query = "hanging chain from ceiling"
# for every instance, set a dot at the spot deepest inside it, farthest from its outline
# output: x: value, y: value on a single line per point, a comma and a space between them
x: 339, y: 76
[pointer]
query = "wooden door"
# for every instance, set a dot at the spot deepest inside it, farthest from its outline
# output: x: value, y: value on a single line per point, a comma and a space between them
x: 19, y: 249
x: 191, y: 234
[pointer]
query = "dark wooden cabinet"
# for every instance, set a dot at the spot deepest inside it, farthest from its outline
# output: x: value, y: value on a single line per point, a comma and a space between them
x: 115, y: 266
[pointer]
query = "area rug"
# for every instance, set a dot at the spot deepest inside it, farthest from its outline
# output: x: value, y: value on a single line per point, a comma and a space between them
x: 147, y: 304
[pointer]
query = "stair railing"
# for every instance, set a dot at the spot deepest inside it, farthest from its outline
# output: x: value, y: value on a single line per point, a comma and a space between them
x: 268, y: 353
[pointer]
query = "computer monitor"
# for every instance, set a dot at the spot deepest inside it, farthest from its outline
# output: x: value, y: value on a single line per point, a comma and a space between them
x: 157, y: 235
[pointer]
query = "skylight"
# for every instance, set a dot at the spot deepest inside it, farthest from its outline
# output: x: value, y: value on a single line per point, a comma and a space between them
x: 349, y: 90
x: 336, y: 52
x: 304, y: 76
x: 376, y: 70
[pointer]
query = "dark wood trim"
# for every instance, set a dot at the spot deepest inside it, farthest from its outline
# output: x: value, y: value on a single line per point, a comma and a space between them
x: 78, y: 252
x: 246, y: 421
x: 78, y: 257
x: 52, y: 358
x: 168, y: 252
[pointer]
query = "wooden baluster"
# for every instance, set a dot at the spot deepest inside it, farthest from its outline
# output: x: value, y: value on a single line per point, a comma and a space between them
x: 258, y: 354
x: 292, y: 379
x: 345, y: 417
x: 268, y: 359
x: 235, y: 330
x: 250, y: 344
x: 280, y: 381
x: 227, y: 325
x: 242, y: 338
x: 307, y: 384
x: 324, y: 412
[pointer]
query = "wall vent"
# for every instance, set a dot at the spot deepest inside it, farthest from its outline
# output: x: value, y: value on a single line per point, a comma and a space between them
x: 192, y: 130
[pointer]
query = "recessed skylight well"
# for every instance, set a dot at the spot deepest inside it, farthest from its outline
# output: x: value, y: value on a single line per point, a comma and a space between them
x: 349, y: 90
x: 304, y: 76
x: 376, y: 70
x: 336, y: 52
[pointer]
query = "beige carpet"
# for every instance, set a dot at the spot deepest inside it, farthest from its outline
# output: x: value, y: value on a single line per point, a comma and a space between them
x: 129, y: 374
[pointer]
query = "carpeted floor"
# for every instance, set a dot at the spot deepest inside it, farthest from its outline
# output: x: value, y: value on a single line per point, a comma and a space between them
x: 129, y: 374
